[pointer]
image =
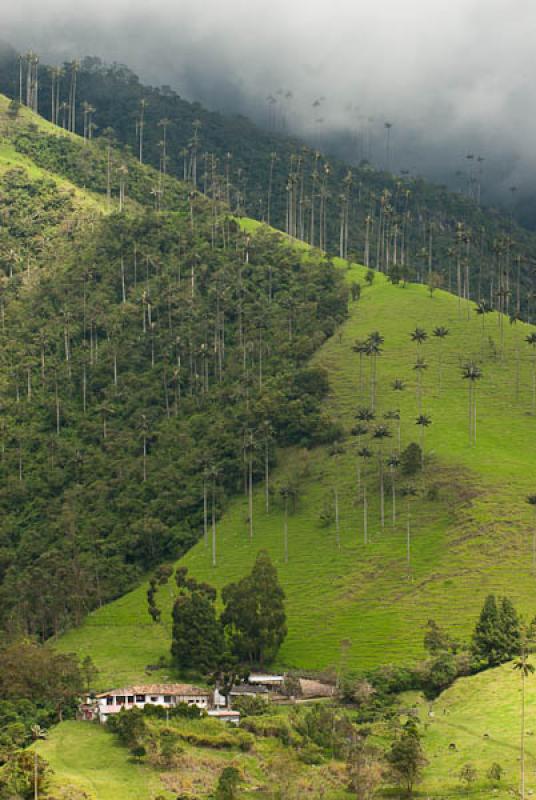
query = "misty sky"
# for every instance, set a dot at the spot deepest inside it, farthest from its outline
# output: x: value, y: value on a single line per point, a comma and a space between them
x: 453, y: 76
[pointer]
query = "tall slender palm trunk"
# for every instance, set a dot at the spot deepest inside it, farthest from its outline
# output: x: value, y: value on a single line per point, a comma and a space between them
x: 213, y: 522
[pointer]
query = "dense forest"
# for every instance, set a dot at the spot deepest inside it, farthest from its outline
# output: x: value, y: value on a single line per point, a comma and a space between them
x: 151, y: 363
x: 401, y: 225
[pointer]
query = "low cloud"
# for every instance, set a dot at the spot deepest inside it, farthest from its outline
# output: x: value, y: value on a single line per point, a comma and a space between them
x: 453, y: 78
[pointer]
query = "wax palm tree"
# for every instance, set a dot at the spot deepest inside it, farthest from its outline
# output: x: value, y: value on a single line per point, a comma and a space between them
x: 273, y: 159
x: 525, y: 669
x: 144, y: 433
x: 393, y: 462
x: 420, y: 366
x: 472, y: 373
x: 337, y: 520
x: 106, y: 411
x: 388, y: 126
x: 213, y: 475
x: 531, y: 340
x: 381, y: 432
x: 288, y: 494
x: 424, y: 422
x: 360, y: 346
x: 164, y: 124
x: 398, y: 385
x: 140, y: 125
x: 75, y: 68
x: 249, y: 452
x: 531, y: 500
x: 482, y: 309
x: 267, y: 435
x: 394, y: 416
x: 374, y: 342
x: 359, y: 430
x: 419, y: 336
x: 408, y: 492
x: 365, y: 414
x: 365, y: 453
x: 440, y: 333
x: 206, y: 481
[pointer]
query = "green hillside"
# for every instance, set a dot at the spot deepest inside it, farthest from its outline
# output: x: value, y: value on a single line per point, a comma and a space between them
x: 146, y: 344
x: 475, y: 721
x: 399, y: 223
x: 86, y: 759
x: 471, y: 527
x: 139, y: 350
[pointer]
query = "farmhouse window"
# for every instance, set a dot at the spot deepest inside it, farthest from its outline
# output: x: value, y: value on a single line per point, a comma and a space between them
x: 140, y: 698
x: 167, y: 698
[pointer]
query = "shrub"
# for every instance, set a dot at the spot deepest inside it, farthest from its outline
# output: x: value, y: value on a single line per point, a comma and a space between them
x: 468, y: 774
x: 277, y: 727
x: 129, y: 726
x: 228, y: 782
x: 355, y: 289
x: 442, y: 672
x: 495, y: 772
x: 411, y: 459
x: 251, y: 706
x: 311, y: 754
x: 180, y: 711
x: 139, y: 752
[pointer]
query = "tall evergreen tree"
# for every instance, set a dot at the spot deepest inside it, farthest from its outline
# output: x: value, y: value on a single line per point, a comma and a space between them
x: 197, y: 637
x: 254, y: 614
x: 497, y: 636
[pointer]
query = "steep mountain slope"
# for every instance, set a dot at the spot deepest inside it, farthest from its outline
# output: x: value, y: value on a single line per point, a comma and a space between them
x: 395, y: 224
x: 140, y: 350
x: 471, y: 529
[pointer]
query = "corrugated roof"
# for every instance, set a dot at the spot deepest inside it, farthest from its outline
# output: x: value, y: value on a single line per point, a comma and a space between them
x: 245, y: 688
x: 174, y: 689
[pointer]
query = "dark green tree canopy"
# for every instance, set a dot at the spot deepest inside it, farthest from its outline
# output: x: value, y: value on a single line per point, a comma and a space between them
x: 406, y: 758
x: 197, y: 635
x: 497, y: 635
x: 254, y: 614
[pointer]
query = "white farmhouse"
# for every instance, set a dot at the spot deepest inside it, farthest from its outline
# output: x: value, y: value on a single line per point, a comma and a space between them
x: 166, y: 695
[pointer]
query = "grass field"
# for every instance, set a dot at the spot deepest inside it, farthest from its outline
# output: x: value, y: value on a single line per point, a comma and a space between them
x: 477, y: 721
x: 471, y: 526
x: 85, y: 756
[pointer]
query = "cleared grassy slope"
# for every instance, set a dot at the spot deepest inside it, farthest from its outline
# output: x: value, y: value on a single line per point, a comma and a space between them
x: 87, y: 758
x: 471, y: 533
x: 10, y: 158
x: 480, y: 716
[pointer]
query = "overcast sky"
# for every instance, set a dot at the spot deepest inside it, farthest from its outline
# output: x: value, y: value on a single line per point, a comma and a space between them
x: 453, y: 76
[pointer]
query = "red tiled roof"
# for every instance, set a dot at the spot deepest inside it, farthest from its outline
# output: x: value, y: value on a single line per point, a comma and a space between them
x: 174, y: 689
